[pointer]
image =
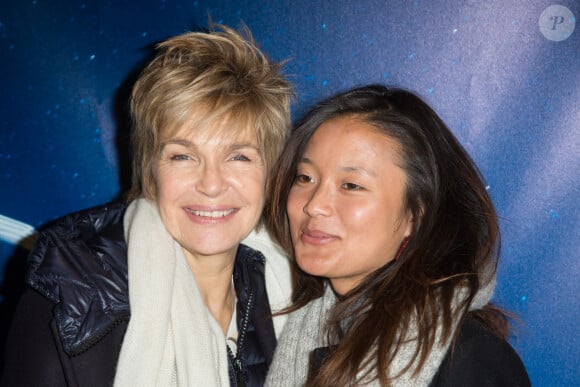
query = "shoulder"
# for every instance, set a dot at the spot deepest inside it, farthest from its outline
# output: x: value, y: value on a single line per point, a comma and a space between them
x: 75, y: 238
x: 79, y: 263
x: 480, y: 358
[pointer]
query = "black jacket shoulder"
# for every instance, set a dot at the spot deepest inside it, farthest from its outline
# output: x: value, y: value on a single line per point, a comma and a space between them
x: 481, y: 359
x: 80, y: 264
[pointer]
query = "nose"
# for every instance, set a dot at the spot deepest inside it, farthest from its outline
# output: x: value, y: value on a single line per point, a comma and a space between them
x: 212, y: 181
x: 319, y: 202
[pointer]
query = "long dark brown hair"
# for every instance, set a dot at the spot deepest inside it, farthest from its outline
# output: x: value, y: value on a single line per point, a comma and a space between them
x: 455, y: 238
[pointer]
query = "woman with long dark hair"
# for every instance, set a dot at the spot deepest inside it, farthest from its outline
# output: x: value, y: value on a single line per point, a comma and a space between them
x: 395, y: 243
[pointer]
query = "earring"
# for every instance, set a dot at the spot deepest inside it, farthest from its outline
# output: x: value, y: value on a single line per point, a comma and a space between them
x: 402, y: 247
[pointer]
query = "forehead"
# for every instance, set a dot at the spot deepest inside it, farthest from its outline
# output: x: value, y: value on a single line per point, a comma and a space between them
x: 201, y: 127
x: 351, y: 139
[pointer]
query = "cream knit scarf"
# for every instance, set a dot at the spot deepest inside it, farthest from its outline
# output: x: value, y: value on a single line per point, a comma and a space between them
x: 305, y: 331
x: 172, y: 339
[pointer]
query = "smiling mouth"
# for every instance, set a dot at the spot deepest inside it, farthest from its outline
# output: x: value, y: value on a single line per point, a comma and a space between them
x: 317, y: 237
x: 211, y: 214
x: 316, y: 234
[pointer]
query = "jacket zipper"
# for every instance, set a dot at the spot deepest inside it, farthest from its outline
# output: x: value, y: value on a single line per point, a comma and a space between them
x: 96, y: 339
x: 237, y: 362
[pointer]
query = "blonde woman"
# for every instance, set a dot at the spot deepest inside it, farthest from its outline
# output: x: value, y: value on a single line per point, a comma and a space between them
x: 164, y: 291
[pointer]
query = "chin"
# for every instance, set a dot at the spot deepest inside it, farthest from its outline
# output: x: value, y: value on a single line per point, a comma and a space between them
x: 312, y: 267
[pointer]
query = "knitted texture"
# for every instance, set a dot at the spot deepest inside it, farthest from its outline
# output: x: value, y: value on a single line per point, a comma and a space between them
x: 305, y: 331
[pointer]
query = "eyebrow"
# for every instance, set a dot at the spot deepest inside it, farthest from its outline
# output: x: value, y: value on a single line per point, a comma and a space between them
x: 243, y: 145
x: 177, y: 141
x: 347, y: 169
x: 189, y: 144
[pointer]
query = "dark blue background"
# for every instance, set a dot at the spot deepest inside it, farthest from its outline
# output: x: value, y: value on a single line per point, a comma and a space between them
x: 511, y: 95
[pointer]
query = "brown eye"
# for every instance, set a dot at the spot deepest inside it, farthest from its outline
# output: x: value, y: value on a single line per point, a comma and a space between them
x: 352, y: 187
x: 302, y: 178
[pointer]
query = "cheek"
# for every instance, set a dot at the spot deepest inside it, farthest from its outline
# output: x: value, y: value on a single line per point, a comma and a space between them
x: 164, y: 180
x: 360, y: 213
x: 259, y: 183
x: 250, y: 180
x: 162, y: 184
x: 294, y: 208
x: 295, y: 213
x: 170, y: 184
x: 253, y: 189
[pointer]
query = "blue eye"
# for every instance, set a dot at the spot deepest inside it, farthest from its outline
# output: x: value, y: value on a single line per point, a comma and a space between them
x: 240, y: 157
x: 179, y: 157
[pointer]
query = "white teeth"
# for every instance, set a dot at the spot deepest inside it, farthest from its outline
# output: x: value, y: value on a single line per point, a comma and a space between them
x: 212, y: 214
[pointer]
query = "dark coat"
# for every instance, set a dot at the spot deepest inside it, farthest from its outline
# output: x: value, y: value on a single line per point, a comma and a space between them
x: 481, y: 359
x: 478, y: 359
x: 70, y: 323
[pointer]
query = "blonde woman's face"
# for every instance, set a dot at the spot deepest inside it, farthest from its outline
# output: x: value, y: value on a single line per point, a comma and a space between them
x: 210, y: 189
x: 345, y: 208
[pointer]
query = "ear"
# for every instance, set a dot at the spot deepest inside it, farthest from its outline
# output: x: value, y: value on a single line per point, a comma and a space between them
x: 409, y: 224
x: 413, y: 222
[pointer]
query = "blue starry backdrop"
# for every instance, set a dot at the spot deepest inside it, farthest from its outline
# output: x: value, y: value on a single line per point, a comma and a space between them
x: 504, y: 74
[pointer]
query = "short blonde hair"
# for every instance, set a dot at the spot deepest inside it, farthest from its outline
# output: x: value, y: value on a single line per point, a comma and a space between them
x: 223, y: 75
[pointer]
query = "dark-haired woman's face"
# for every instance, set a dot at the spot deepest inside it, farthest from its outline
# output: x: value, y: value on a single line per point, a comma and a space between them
x: 346, y: 205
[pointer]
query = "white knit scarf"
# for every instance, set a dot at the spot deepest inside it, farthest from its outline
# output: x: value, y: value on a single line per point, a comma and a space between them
x: 172, y: 339
x: 305, y: 331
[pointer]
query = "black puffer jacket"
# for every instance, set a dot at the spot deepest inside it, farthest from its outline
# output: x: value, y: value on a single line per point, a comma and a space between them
x: 70, y: 324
